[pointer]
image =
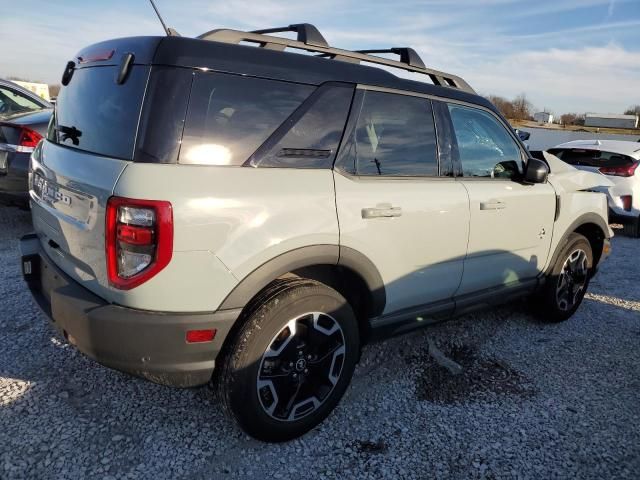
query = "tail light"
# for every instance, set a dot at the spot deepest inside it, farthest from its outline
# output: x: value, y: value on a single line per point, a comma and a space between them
x: 623, y: 171
x: 28, y: 140
x: 138, y: 240
x: 23, y: 139
x: 627, y: 201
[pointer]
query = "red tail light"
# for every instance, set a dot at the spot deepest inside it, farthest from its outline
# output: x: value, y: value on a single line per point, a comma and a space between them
x: 624, y: 171
x: 28, y: 140
x: 138, y: 240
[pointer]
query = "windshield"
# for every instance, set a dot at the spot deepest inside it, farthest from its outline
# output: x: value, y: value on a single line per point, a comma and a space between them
x: 12, y: 102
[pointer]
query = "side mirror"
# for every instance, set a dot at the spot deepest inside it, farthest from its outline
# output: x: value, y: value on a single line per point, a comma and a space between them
x: 536, y: 171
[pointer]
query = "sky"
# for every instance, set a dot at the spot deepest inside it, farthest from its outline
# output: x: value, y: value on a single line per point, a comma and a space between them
x: 565, y: 55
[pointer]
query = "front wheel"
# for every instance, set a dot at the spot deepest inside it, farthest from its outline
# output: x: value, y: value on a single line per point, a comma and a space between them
x: 567, y: 284
x: 291, y: 362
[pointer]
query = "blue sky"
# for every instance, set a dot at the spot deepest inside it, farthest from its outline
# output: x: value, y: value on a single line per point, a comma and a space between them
x: 566, y: 55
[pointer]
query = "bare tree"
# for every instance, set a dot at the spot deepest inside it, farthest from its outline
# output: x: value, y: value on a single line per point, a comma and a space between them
x: 633, y: 110
x: 522, y: 108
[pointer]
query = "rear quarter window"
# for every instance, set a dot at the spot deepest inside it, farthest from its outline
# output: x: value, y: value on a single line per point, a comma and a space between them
x: 95, y: 114
x: 230, y: 116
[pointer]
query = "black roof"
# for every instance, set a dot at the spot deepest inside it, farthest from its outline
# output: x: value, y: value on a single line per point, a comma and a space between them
x: 259, y: 62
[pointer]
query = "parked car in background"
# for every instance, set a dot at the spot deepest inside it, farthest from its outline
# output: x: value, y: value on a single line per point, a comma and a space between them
x: 261, y: 214
x: 24, y: 117
x: 618, y: 160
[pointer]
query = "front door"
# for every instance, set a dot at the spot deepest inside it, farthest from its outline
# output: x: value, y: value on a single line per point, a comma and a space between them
x: 511, y: 224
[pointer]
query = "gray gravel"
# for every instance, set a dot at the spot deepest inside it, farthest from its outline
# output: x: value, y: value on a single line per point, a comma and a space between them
x: 533, y: 401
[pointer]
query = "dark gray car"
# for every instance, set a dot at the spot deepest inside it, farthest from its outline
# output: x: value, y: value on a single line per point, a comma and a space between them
x: 23, y: 122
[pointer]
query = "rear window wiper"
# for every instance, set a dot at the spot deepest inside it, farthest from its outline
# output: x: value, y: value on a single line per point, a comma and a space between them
x: 69, y: 133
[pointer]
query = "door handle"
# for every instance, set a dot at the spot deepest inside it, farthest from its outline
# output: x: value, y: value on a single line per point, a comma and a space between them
x: 493, y: 205
x: 381, y: 212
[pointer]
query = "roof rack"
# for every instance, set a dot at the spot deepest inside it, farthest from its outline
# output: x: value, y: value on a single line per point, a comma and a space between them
x: 310, y: 39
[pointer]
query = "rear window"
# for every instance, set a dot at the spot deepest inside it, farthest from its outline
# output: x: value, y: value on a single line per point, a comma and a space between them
x: 12, y: 102
x: 590, y: 158
x: 95, y: 114
x: 230, y: 116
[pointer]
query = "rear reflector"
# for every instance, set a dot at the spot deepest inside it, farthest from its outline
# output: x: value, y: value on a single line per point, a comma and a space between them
x: 199, y: 336
x: 624, y: 171
x: 627, y: 201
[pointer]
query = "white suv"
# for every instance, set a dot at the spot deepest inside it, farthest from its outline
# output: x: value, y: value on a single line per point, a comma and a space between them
x: 618, y: 160
x: 207, y: 211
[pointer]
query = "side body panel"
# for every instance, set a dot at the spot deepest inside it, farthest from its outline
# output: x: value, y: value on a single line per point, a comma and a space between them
x: 511, y: 228
x: 420, y: 253
x: 228, y: 221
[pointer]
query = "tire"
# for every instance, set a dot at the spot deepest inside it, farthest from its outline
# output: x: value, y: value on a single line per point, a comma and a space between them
x: 632, y: 228
x: 568, y: 281
x: 291, y: 361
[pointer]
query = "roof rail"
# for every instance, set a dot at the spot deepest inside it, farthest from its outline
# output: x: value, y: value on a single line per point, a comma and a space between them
x: 407, y: 55
x: 311, y: 40
x: 307, y: 33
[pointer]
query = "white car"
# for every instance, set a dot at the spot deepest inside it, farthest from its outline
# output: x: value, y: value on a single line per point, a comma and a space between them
x: 618, y: 160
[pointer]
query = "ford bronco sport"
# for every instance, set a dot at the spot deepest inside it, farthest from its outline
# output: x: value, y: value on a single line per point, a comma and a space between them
x: 225, y: 209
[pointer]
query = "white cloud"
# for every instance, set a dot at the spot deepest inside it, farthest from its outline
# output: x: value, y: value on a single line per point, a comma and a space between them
x: 592, y: 78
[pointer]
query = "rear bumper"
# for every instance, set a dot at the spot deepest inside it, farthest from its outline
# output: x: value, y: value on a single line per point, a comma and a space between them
x: 622, y: 218
x: 14, y: 175
x: 144, y: 343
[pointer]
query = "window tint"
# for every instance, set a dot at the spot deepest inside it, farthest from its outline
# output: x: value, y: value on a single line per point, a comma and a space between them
x: 485, y: 147
x: 395, y: 135
x: 95, y: 114
x: 163, y: 115
x: 230, y: 116
x: 310, y: 138
x: 591, y: 158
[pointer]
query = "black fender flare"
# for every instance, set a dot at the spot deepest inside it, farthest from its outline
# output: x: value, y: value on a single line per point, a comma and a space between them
x: 308, y: 256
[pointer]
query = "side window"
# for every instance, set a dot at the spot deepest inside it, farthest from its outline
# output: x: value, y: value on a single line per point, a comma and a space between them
x: 230, y: 116
x: 310, y: 137
x: 395, y: 135
x: 485, y: 147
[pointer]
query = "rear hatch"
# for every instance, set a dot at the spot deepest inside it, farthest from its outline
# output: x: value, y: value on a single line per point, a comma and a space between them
x: 598, y: 161
x: 90, y: 141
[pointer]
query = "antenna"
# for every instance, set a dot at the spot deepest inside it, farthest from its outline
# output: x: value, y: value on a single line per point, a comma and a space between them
x: 170, y: 31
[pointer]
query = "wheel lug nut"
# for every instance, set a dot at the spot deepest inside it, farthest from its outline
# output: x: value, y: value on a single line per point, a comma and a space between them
x: 306, y: 370
x: 295, y: 375
x: 308, y: 357
x: 291, y: 364
x: 299, y: 352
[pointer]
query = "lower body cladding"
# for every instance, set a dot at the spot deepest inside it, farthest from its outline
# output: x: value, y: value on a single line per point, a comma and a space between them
x: 14, y: 174
x: 152, y: 345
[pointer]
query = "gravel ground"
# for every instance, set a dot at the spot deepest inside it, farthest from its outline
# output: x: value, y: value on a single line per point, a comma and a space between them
x: 533, y: 401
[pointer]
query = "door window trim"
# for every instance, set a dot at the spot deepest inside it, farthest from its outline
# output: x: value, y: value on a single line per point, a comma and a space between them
x: 345, y: 163
x: 439, y: 98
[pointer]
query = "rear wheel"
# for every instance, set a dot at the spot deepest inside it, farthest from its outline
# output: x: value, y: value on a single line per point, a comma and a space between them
x: 291, y: 362
x: 565, y: 288
x: 632, y: 228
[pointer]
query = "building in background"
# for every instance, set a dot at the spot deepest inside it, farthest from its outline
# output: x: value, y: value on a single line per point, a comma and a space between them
x: 610, y: 120
x: 40, y: 89
x: 543, y: 117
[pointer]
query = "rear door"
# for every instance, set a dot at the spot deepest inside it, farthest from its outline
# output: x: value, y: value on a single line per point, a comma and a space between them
x: 395, y: 204
x: 511, y: 224
x: 89, y: 143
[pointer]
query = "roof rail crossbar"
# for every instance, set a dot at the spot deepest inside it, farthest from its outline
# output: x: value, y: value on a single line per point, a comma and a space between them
x: 407, y: 55
x: 307, y: 33
x: 410, y: 60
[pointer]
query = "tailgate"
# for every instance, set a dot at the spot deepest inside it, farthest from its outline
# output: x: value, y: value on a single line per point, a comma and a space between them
x: 69, y: 191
